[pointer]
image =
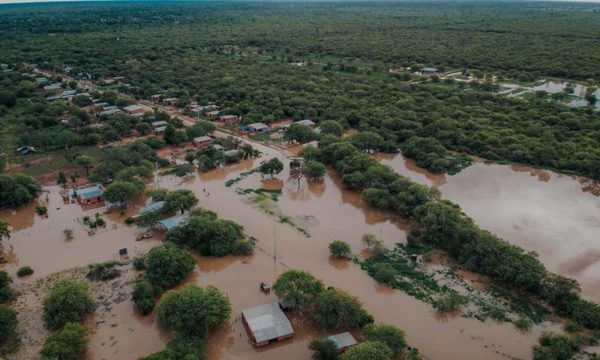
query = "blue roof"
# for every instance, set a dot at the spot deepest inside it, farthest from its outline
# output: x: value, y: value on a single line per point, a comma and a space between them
x: 89, y: 192
x: 171, y: 222
x: 152, y: 207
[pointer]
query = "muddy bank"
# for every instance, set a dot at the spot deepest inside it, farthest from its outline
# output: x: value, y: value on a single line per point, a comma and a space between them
x: 555, y: 215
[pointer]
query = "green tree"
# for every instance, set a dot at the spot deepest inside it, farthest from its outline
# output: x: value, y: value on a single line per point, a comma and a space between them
x: 335, y: 309
x: 85, y: 161
x: 143, y: 296
x: 316, y: 170
x: 331, y: 127
x: 68, y: 343
x: 68, y: 301
x: 298, y: 288
x: 323, y: 349
x: 339, y: 249
x: 300, y: 133
x: 368, y: 350
x: 180, y: 200
x: 121, y: 192
x: 370, y: 241
x: 310, y: 153
x: 387, y: 334
x: 17, y: 189
x: 6, y: 292
x: 271, y: 167
x: 8, y: 324
x: 4, y: 231
x: 167, y: 265
x: 193, y: 310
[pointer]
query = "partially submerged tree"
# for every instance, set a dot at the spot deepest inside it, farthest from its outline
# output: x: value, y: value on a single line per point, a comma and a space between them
x: 69, y: 301
x: 180, y: 200
x: 368, y: 350
x: 335, y: 308
x: 298, y: 288
x: 68, y: 343
x: 167, y: 265
x: 339, y: 249
x: 121, y: 192
x: 271, y: 167
x: 4, y: 232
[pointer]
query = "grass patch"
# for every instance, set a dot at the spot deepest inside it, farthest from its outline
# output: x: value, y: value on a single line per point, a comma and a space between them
x: 243, y: 174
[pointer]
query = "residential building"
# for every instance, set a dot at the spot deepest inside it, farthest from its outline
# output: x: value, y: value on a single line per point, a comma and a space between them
x: 229, y: 119
x: 266, y: 323
x: 89, y: 195
x: 134, y: 109
x: 202, y: 141
x: 258, y: 127
x: 343, y: 341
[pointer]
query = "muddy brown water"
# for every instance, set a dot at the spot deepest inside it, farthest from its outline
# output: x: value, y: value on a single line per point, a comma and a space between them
x: 555, y: 215
x: 324, y: 210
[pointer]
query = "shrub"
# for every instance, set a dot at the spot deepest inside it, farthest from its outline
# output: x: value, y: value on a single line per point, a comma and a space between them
x: 298, y: 288
x: 24, y: 271
x: 143, y: 296
x: 139, y: 263
x: 68, y: 343
x: 339, y: 249
x: 41, y: 210
x: 5, y: 291
x: 167, y: 265
x: 69, y: 301
x: 193, y: 310
x: 368, y: 350
x: 323, y: 349
x: 8, y: 323
x: 387, y: 334
x: 335, y: 308
x: 450, y: 302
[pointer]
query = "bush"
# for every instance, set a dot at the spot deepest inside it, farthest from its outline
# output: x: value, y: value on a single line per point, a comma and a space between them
x: 69, y: 343
x: 368, y: 350
x: 24, y: 271
x: 167, y: 265
x: 139, y: 263
x: 5, y: 291
x: 193, y: 310
x: 387, y: 334
x: 339, y: 249
x: 41, y: 210
x: 298, y: 288
x: 450, y: 302
x: 8, y: 324
x: 335, y: 309
x: 323, y: 349
x: 143, y: 296
x: 69, y: 301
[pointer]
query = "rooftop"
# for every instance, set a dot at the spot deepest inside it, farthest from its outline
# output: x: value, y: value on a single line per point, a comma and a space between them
x: 202, y: 139
x: 110, y: 112
x: 267, y: 322
x: 159, y: 123
x: 132, y: 108
x: 258, y: 126
x: 429, y: 69
x: 89, y: 192
x: 305, y: 122
x: 152, y: 207
x: 343, y: 340
x: 173, y: 221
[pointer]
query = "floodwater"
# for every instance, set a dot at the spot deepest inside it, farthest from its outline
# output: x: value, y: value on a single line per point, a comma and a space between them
x: 315, y: 214
x: 555, y: 215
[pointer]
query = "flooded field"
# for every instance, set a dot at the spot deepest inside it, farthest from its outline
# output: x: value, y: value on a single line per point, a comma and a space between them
x: 294, y: 231
x: 555, y: 215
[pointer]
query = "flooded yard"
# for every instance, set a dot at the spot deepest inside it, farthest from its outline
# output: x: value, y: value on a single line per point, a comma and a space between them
x: 294, y: 229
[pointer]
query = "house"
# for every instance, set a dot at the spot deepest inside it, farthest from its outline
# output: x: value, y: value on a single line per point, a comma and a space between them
x: 25, y: 150
x: 67, y: 94
x: 213, y: 114
x: 306, y: 122
x: 266, y: 323
x: 89, y: 195
x: 160, y: 131
x: 169, y: 101
x: 429, y: 71
x: 155, y: 98
x: 204, y: 109
x: 229, y: 154
x: 53, y: 87
x: 228, y: 119
x: 134, y: 109
x: 41, y: 81
x: 169, y: 223
x: 110, y: 111
x: 155, y: 206
x: 202, y: 141
x: 157, y: 124
x: 100, y: 106
x: 343, y: 341
x: 65, y: 122
x: 258, y: 127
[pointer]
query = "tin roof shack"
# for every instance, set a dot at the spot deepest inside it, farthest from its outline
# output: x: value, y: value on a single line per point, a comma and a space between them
x: 110, y: 111
x: 343, y: 341
x: 89, y: 195
x: 155, y: 98
x: 266, y: 323
x: 229, y: 119
x: 213, y: 114
x: 429, y: 71
x: 202, y: 141
x: 311, y: 124
x: 155, y: 206
x: 169, y: 101
x: 133, y: 109
x: 258, y: 127
x: 169, y: 223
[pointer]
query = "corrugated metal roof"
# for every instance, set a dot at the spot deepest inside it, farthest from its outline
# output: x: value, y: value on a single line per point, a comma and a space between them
x: 305, y: 122
x: 343, y: 340
x: 171, y: 222
x: 110, y: 112
x: 152, y: 207
x: 132, y: 108
x: 159, y: 123
x: 202, y: 139
x: 267, y: 322
x: 258, y: 126
x: 89, y: 192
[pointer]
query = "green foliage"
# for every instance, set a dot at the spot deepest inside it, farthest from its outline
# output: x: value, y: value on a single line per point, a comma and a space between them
x: 315, y: 170
x: 85, y: 161
x: 432, y: 155
x: 68, y: 343
x: 17, y: 189
x: 299, y: 133
x: 331, y: 127
x: 298, y: 288
x: 68, y: 301
x: 167, y: 265
x: 41, y: 210
x: 193, y: 310
x: 180, y: 200
x: 335, y: 308
x: 209, y: 236
x: 368, y: 350
x: 555, y: 347
x: 4, y: 230
x: 24, y: 271
x: 121, y: 192
x: 271, y: 167
x: 323, y: 349
x: 6, y: 293
x: 180, y: 170
x: 387, y: 334
x: 339, y: 249
x: 452, y: 301
x: 143, y: 296
x: 8, y: 325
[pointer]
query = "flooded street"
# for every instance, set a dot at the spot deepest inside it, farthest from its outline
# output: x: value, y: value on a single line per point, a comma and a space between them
x: 294, y: 232
x: 555, y: 215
